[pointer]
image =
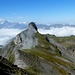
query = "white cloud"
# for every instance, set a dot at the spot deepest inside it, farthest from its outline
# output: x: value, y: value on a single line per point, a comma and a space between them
x: 64, y: 31
x: 24, y: 22
x: 7, y: 34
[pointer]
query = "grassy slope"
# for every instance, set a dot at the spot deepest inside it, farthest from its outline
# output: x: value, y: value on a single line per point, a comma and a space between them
x: 67, y: 42
x: 50, y: 58
x: 42, y: 50
x: 8, y: 68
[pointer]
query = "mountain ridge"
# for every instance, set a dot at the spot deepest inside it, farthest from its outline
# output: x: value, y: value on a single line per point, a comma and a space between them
x: 7, y: 24
x: 38, y: 53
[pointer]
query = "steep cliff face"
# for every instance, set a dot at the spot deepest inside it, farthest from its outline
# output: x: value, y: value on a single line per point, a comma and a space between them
x: 26, y: 39
x: 39, y: 54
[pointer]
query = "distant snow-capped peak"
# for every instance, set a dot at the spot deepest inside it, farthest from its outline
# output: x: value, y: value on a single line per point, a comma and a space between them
x: 2, y: 21
x: 22, y: 22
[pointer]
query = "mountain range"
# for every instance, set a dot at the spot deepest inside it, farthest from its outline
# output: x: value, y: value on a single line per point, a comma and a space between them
x: 7, y: 24
x: 33, y: 53
x: 17, y: 25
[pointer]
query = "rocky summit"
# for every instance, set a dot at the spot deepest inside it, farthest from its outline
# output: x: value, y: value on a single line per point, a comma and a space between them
x: 36, y: 54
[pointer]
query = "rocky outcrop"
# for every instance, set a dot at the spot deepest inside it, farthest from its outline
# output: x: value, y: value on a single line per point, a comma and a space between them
x: 26, y: 39
x: 7, y: 68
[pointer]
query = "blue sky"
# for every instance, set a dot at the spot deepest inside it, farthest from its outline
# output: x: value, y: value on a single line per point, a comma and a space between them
x: 40, y: 11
